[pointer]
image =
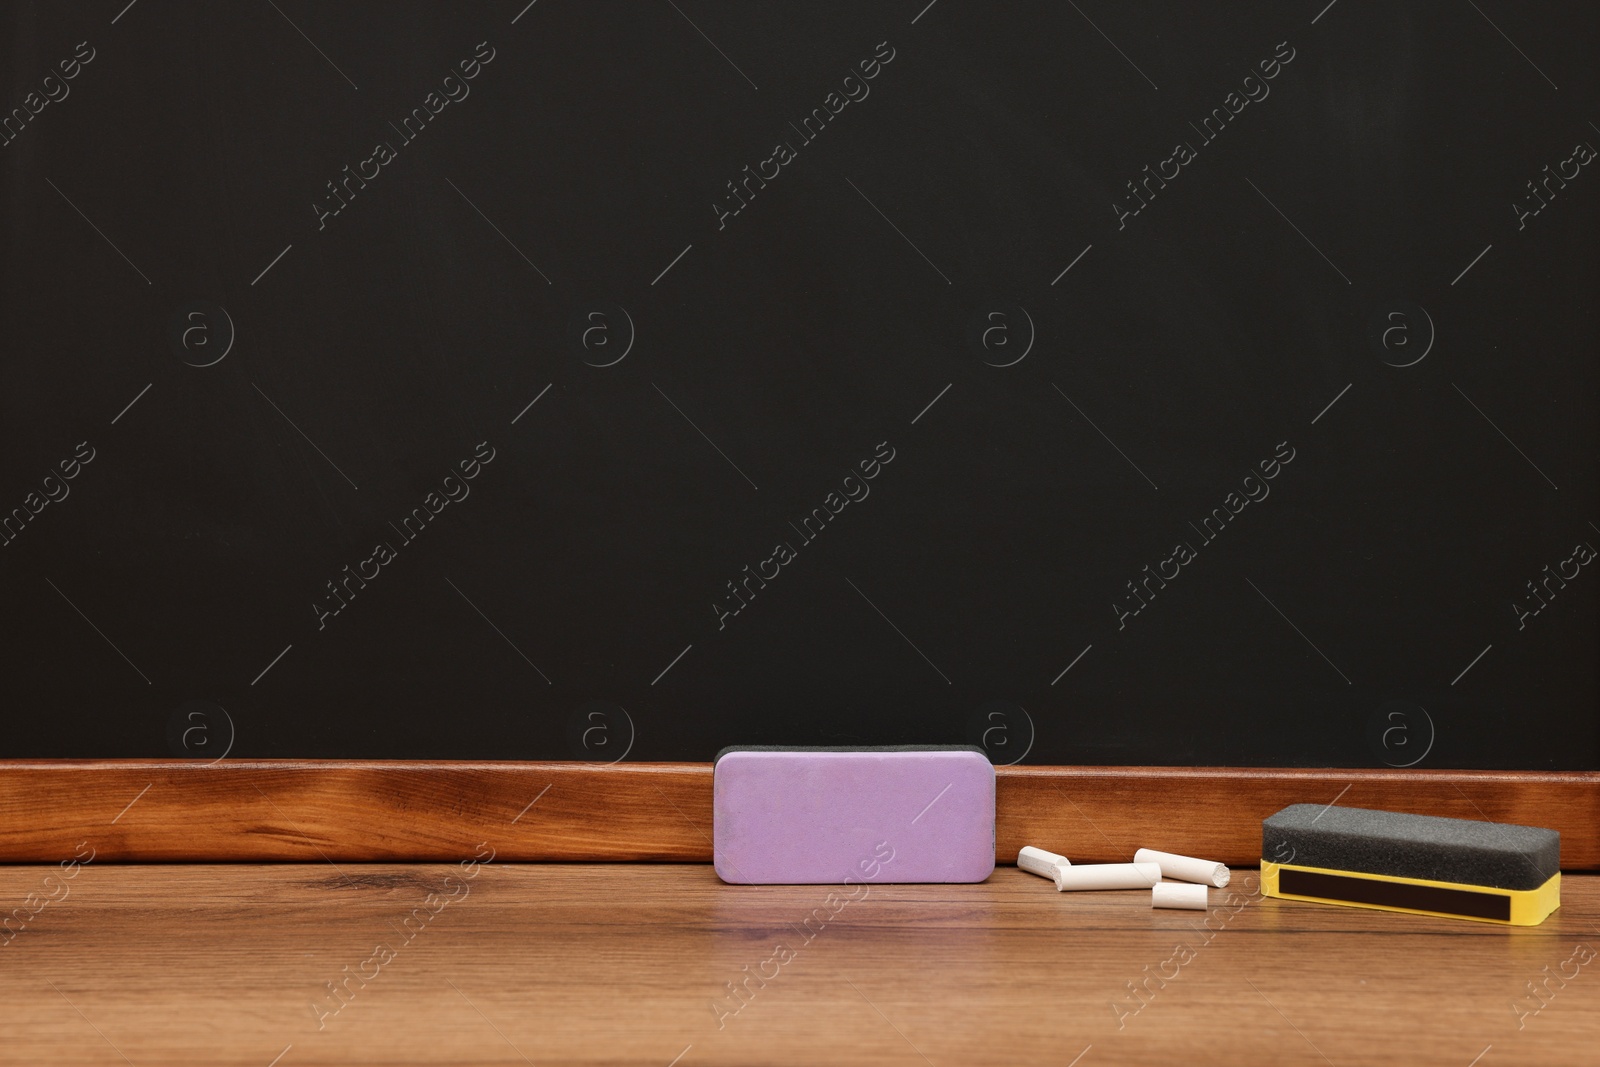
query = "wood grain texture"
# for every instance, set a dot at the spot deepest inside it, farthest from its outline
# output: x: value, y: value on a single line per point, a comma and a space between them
x: 373, y: 811
x: 631, y: 964
x: 1107, y: 813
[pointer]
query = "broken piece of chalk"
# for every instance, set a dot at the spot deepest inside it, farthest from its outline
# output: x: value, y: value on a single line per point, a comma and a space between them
x: 1107, y: 876
x: 1184, y: 868
x: 1178, y: 895
x: 1038, y: 861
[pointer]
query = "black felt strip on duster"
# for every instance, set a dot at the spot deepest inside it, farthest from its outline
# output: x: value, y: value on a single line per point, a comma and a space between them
x: 1464, y: 851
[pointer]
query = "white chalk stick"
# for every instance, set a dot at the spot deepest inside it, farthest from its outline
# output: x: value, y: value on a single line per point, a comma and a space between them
x: 1184, y: 868
x: 1107, y: 876
x: 1178, y: 895
x: 1038, y: 861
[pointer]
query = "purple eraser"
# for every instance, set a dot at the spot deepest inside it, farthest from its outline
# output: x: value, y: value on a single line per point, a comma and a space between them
x: 832, y: 815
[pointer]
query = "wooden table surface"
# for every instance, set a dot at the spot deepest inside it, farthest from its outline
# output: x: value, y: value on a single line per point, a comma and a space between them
x: 630, y: 964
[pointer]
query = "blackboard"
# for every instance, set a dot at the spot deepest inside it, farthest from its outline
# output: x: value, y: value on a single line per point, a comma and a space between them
x: 1147, y: 383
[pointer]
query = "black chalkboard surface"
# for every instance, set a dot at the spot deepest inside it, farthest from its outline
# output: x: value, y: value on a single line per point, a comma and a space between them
x: 1100, y: 383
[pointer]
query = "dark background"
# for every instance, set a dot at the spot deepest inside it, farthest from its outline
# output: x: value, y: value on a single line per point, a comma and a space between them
x: 142, y: 612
